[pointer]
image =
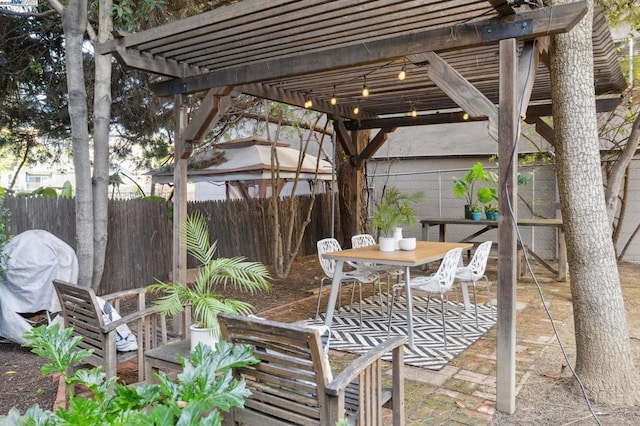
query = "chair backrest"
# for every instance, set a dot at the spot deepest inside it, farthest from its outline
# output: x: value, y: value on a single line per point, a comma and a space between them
x: 327, y: 245
x: 478, y: 263
x: 362, y: 240
x: 447, y: 270
x: 81, y: 311
x: 288, y: 385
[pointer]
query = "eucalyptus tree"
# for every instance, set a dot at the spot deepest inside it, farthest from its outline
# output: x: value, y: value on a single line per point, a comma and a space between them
x: 604, y: 360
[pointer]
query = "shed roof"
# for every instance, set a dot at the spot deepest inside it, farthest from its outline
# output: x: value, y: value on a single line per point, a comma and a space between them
x: 250, y: 159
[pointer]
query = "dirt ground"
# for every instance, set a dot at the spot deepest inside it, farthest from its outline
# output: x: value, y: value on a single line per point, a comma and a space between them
x: 546, y: 397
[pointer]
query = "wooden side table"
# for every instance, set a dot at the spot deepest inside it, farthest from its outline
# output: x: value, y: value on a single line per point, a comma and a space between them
x: 165, y: 357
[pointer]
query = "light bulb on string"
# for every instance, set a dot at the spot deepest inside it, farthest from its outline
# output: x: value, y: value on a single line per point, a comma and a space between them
x: 334, y: 100
x: 403, y: 72
x: 465, y: 116
x: 307, y: 102
x: 356, y: 109
x: 414, y: 113
x: 365, y: 89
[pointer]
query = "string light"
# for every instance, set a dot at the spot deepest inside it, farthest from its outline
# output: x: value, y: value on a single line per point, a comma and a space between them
x: 334, y: 100
x: 465, y: 116
x: 414, y: 113
x: 356, y: 109
x: 307, y: 102
x: 403, y: 72
x: 365, y: 89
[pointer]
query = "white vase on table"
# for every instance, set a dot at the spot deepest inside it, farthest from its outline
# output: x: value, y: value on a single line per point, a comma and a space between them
x: 397, y: 236
x: 387, y: 243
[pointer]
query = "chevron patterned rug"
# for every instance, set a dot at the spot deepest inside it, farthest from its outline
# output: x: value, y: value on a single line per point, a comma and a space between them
x: 429, y: 352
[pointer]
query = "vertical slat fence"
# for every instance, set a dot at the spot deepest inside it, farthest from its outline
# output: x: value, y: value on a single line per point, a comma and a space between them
x: 140, y: 231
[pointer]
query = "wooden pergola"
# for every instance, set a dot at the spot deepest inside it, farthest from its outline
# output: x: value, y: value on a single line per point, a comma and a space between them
x: 464, y: 59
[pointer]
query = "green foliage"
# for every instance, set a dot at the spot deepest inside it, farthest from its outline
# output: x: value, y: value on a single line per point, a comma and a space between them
x: 395, y: 209
x: 57, y: 346
x: 465, y: 187
x: 204, y: 389
x: 490, y: 208
x: 476, y: 208
x: 203, y: 295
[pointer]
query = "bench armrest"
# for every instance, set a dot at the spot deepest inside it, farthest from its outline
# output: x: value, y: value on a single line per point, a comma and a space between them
x: 129, y: 318
x: 350, y: 373
x: 123, y: 293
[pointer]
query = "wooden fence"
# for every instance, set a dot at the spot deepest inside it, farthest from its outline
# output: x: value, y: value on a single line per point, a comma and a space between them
x: 139, y: 248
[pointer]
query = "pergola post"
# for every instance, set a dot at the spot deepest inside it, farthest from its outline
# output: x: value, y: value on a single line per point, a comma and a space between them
x: 179, y: 191
x: 508, y: 117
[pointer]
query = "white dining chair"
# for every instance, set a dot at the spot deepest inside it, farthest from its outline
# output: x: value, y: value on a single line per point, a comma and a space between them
x: 439, y: 284
x: 475, y: 271
x: 357, y: 276
x: 364, y: 240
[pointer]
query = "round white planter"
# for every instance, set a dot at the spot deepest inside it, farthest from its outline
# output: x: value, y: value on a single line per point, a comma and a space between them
x: 202, y: 335
x: 387, y: 243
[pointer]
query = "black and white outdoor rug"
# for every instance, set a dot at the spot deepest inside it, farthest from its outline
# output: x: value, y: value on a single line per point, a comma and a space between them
x: 429, y: 351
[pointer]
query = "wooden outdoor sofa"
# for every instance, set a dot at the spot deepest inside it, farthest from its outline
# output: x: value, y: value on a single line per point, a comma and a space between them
x: 293, y: 383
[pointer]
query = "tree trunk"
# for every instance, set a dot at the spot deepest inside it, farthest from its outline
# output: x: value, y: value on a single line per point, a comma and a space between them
x: 74, y: 24
x: 603, y: 353
x: 101, y: 120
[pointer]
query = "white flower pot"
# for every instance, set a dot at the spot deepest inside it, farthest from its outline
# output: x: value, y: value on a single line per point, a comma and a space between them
x: 387, y: 243
x: 202, y: 335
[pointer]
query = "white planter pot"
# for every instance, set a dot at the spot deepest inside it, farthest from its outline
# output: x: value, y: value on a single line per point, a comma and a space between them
x: 202, y: 335
x: 387, y: 243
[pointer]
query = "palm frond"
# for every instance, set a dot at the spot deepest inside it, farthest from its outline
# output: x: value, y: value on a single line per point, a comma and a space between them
x: 196, y: 233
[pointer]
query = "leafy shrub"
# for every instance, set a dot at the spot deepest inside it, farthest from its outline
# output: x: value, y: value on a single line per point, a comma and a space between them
x: 204, y: 389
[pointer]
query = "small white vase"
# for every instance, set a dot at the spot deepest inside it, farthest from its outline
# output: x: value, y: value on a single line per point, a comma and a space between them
x: 202, y: 335
x: 387, y: 243
x: 397, y: 236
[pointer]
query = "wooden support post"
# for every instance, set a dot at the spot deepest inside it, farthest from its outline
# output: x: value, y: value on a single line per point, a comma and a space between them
x: 179, y: 269
x: 507, y: 271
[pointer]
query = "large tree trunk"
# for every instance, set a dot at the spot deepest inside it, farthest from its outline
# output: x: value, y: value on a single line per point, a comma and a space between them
x: 101, y: 119
x: 74, y: 25
x: 603, y: 359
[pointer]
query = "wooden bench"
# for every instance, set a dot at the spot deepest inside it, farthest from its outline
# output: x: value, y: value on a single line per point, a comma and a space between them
x: 293, y: 383
x: 81, y: 311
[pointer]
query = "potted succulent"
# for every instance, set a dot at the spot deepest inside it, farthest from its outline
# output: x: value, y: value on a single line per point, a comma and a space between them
x: 214, y: 273
x: 464, y: 187
x: 476, y: 211
x: 491, y: 212
x: 395, y: 209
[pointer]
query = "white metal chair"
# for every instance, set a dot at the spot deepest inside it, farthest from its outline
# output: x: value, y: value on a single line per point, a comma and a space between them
x: 438, y: 284
x: 474, y: 272
x: 357, y: 276
x: 364, y: 240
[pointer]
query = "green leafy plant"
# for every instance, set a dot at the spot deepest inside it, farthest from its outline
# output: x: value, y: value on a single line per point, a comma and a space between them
x: 213, y: 274
x: 465, y: 187
x: 395, y: 209
x: 476, y: 208
x: 490, y: 208
x: 203, y: 391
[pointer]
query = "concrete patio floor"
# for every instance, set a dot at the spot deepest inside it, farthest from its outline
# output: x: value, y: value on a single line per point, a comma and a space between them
x: 463, y: 392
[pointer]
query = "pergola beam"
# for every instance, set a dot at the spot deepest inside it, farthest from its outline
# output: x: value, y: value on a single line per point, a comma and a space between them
x: 459, y: 89
x: 523, y: 26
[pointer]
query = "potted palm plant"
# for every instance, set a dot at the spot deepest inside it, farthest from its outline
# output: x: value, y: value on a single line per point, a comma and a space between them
x: 214, y: 273
x: 395, y: 209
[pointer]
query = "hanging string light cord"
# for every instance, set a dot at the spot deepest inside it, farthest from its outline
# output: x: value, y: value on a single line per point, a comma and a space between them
x: 546, y: 309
